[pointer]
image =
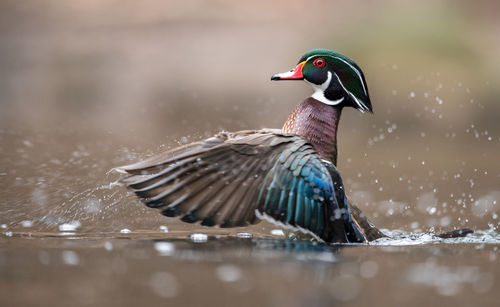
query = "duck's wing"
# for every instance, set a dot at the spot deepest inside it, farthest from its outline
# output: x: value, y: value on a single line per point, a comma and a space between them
x: 235, y: 179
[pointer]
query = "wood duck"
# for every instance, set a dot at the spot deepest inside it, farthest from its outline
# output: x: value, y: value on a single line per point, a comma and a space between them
x: 286, y: 176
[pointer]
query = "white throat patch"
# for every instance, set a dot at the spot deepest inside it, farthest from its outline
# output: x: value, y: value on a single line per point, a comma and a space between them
x: 319, y: 92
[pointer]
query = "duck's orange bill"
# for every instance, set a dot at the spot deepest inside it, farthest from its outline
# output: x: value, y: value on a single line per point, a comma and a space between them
x: 294, y: 74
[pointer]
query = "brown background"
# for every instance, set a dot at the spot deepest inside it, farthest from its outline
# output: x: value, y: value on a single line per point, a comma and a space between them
x: 89, y: 85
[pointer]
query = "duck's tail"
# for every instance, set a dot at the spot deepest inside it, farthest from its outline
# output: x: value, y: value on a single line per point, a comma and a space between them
x: 459, y: 233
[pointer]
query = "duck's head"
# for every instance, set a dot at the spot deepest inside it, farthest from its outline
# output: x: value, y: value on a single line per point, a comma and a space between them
x: 336, y: 80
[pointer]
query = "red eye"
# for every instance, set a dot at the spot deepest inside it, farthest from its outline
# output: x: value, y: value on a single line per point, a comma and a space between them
x: 319, y: 62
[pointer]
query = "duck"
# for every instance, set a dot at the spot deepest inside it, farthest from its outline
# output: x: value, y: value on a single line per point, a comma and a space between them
x: 286, y: 176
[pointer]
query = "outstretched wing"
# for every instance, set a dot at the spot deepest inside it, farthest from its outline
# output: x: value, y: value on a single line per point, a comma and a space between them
x: 234, y: 179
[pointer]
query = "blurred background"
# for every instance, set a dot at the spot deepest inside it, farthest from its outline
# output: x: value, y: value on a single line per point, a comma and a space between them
x: 89, y: 85
x: 86, y: 86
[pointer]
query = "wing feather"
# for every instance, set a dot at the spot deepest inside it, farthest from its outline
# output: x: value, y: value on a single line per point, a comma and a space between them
x: 228, y: 179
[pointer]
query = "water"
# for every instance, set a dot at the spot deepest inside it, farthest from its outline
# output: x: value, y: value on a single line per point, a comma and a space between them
x: 73, y: 237
x: 404, y: 238
x: 156, y: 268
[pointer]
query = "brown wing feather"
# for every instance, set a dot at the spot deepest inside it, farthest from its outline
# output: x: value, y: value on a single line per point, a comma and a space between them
x: 226, y: 179
x: 214, y: 181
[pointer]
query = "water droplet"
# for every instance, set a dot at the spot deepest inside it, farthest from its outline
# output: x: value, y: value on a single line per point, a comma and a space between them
x: 27, y: 223
x: 70, y: 258
x: 199, y: 237
x: 69, y: 226
x: 108, y: 246
x: 164, y: 284
x: 228, y: 273
x: 277, y: 232
x: 165, y: 248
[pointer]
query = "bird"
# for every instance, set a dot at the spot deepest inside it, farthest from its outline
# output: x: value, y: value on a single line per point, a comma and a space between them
x: 287, y: 176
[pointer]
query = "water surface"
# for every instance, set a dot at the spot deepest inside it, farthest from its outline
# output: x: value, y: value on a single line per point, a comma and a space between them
x: 148, y: 268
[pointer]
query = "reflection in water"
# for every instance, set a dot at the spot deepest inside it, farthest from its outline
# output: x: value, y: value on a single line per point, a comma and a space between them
x: 250, y: 269
x: 449, y: 281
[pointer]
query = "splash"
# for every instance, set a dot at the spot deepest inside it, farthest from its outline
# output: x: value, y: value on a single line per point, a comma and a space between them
x: 403, y: 238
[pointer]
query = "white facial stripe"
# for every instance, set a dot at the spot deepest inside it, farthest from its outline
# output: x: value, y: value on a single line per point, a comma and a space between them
x: 319, y: 92
x: 321, y: 97
x: 361, y: 105
x: 349, y: 64
x: 357, y: 72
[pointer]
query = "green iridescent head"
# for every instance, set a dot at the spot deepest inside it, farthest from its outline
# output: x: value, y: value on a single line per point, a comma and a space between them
x: 336, y: 79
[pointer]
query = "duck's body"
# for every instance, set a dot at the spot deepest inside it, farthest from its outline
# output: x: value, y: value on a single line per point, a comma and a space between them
x: 288, y: 176
x: 236, y: 179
